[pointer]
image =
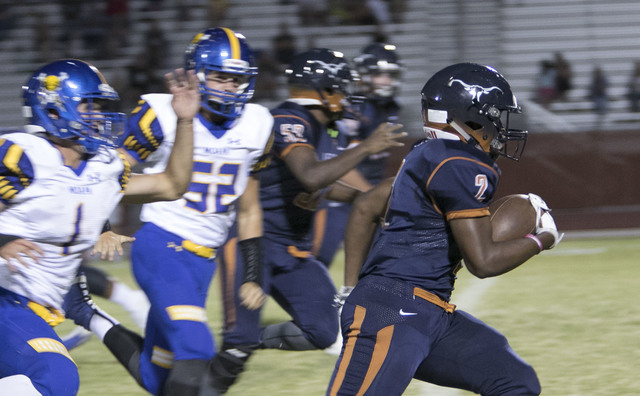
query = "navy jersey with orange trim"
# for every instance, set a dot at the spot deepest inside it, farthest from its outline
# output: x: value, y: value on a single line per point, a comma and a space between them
x: 439, y: 180
x: 374, y: 113
x: 288, y: 214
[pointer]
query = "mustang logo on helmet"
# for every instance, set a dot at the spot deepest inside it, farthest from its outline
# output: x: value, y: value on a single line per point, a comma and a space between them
x: 334, y: 68
x: 475, y: 90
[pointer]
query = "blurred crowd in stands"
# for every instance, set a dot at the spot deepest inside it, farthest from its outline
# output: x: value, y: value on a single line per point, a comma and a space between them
x: 99, y: 30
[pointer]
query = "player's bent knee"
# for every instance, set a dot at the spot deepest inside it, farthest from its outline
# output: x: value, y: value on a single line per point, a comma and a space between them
x: 529, y: 382
x: 60, y: 378
x: 521, y: 380
x: 322, y: 338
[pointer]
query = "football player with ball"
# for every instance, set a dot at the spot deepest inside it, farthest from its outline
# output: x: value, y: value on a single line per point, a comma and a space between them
x: 397, y: 321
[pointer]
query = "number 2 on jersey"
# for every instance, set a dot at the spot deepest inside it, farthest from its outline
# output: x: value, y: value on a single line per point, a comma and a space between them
x: 220, y: 189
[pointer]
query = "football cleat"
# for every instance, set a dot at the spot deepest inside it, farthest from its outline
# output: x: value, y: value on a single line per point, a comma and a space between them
x: 79, y: 306
x: 76, y: 337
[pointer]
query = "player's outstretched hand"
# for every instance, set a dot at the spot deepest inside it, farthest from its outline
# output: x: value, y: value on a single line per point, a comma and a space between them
x: 109, y: 243
x: 384, y: 137
x: 183, y: 85
x: 17, y: 250
x: 251, y: 295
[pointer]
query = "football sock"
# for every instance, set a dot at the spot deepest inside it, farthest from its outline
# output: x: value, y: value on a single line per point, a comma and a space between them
x: 185, y: 378
x: 126, y: 346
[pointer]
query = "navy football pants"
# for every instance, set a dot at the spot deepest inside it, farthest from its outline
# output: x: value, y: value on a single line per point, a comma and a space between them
x: 392, y: 336
x: 298, y: 282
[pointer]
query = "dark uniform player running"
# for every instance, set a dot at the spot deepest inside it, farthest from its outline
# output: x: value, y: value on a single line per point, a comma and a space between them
x: 398, y: 323
x: 304, y: 168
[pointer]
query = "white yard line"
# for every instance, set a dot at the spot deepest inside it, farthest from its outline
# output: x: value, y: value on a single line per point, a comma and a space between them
x: 468, y: 300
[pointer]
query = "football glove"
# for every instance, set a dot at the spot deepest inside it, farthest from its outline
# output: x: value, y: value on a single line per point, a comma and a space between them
x: 341, y: 297
x: 544, y: 220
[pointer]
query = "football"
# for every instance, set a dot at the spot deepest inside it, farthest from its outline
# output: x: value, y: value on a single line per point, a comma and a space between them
x: 512, y: 217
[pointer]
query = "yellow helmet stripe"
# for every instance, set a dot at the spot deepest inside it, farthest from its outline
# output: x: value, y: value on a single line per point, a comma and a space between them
x: 234, y: 42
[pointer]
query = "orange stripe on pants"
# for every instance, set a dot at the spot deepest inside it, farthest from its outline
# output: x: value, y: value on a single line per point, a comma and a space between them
x: 354, y: 330
x: 380, y: 351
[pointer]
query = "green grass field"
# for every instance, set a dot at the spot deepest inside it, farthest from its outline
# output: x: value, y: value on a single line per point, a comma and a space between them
x: 573, y: 313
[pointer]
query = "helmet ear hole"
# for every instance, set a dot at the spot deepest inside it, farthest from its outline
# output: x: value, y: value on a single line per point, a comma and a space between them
x: 473, y: 125
x: 53, y: 113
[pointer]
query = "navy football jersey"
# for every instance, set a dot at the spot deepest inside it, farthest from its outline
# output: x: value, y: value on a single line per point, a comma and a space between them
x: 439, y: 180
x: 374, y: 113
x: 287, y: 214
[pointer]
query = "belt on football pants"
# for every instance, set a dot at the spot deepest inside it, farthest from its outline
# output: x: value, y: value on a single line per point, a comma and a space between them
x: 433, y: 299
x: 199, y: 250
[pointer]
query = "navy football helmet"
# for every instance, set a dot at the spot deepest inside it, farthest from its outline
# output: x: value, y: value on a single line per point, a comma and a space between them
x: 473, y: 102
x: 378, y: 58
x: 52, y: 96
x: 223, y: 50
x: 322, y: 77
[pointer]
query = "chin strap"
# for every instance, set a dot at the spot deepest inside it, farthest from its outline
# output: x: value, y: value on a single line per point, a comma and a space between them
x: 465, y: 136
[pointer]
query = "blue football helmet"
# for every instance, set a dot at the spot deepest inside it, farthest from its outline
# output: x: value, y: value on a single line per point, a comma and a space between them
x: 377, y: 58
x: 473, y: 102
x: 322, y: 77
x: 223, y: 50
x: 52, y: 96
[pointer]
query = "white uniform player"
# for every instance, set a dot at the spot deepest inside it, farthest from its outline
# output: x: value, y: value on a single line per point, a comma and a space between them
x: 60, y: 179
x: 60, y: 209
x: 221, y: 167
x: 173, y: 255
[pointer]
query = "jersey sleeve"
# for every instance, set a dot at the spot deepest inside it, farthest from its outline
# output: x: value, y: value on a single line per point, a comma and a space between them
x: 462, y: 187
x: 126, y: 173
x: 263, y: 160
x: 144, y: 133
x: 16, y: 170
x: 290, y: 131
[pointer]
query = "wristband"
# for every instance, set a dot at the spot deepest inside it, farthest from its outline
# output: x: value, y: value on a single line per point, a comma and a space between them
x: 251, y: 250
x: 106, y: 227
x: 4, y: 239
x: 536, y: 240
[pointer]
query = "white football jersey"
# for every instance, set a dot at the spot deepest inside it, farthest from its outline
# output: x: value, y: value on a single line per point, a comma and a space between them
x: 221, y: 168
x: 61, y: 209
